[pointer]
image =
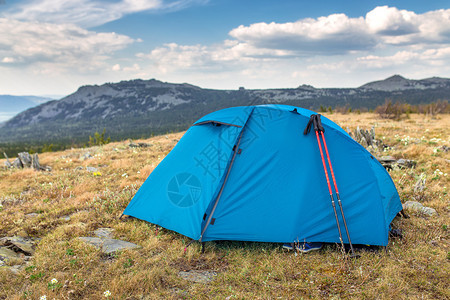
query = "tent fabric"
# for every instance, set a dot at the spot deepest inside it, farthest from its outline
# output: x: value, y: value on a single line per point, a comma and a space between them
x: 275, y: 190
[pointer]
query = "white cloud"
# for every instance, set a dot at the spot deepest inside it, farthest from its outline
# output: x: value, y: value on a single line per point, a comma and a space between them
x: 116, y: 67
x: 391, y: 21
x: 87, y: 13
x: 219, y: 57
x: 430, y: 57
x: 7, y: 60
x: 333, y: 34
x: 63, y: 46
x: 337, y: 33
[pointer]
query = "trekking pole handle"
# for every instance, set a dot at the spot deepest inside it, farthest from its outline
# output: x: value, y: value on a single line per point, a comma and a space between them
x: 318, y: 123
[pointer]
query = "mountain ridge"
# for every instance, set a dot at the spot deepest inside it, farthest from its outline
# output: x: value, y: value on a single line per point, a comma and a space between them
x: 139, y: 108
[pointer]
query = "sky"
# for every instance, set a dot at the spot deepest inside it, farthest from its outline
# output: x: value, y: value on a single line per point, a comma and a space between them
x: 52, y: 47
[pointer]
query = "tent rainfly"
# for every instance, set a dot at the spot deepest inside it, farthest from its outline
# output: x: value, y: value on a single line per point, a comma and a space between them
x: 250, y: 174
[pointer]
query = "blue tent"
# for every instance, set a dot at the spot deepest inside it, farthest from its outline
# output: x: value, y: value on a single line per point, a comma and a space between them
x: 249, y: 174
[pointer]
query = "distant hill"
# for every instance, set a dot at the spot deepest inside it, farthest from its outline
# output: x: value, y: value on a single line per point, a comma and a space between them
x: 399, y: 83
x: 140, y: 108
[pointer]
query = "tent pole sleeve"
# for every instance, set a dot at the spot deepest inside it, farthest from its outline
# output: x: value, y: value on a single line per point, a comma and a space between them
x: 235, y: 151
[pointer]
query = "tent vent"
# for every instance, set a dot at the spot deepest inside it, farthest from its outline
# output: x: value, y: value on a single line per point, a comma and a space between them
x: 213, y: 220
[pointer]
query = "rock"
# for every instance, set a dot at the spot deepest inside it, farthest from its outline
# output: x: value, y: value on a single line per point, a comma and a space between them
x: 198, y: 276
x: 7, y: 162
x: 139, y: 145
x: 31, y: 215
x: 405, y: 163
x: 429, y: 211
x: 419, y: 186
x: 108, y: 245
x: 104, y: 233
x: 26, y: 159
x: 20, y: 244
x: 178, y: 293
x: 389, y: 162
x: 86, y: 155
x: 7, y: 254
x: 37, y: 166
x: 418, y: 207
x: 17, y: 164
x: 65, y: 218
x: 91, y: 169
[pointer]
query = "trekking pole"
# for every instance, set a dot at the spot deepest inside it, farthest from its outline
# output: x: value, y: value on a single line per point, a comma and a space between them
x: 335, y: 185
x: 316, y: 124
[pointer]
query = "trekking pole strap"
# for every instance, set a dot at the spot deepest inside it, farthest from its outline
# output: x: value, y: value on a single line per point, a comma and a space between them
x: 315, y: 121
x: 308, y: 127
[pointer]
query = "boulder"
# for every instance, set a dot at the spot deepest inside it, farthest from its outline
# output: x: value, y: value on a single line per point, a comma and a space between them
x: 418, y: 207
x: 25, y: 159
x: 17, y: 164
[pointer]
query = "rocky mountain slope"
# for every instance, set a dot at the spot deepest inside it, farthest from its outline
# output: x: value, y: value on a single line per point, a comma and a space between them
x: 399, y: 83
x: 140, y: 108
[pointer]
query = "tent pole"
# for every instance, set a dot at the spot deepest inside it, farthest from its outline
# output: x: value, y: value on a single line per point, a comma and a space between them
x: 235, y: 151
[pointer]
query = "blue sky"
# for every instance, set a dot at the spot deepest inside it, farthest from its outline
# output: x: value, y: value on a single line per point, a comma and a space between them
x: 55, y: 46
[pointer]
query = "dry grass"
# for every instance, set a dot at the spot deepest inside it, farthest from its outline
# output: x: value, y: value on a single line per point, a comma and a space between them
x: 415, y: 267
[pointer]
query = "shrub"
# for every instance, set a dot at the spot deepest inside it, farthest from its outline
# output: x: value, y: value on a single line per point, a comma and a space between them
x: 390, y: 110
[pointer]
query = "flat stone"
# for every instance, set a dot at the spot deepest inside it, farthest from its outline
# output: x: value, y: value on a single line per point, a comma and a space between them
x: 104, y: 233
x: 65, y: 218
x: 91, y: 169
x: 418, y: 207
x: 198, y: 276
x: 25, y: 245
x: 7, y: 254
x: 31, y: 215
x: 107, y: 245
